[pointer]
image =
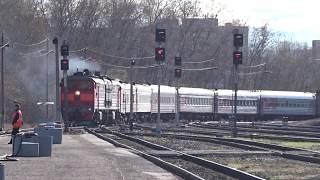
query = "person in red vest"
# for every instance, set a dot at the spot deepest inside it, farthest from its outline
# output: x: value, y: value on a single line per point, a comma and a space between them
x: 17, y: 122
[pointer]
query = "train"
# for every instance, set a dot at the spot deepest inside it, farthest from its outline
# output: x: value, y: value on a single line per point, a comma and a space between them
x: 96, y: 99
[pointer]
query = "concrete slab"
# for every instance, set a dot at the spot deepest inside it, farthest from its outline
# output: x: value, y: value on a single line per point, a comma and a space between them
x: 82, y: 157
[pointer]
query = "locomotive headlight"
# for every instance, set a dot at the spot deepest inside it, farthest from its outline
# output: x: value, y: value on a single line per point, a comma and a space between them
x: 77, y: 93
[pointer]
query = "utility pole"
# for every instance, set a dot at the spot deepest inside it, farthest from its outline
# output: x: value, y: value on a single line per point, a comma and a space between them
x: 65, y: 67
x: 56, y: 45
x: 159, y: 56
x: 47, y: 85
x: 131, y: 96
x: 2, y: 83
x: 237, y: 59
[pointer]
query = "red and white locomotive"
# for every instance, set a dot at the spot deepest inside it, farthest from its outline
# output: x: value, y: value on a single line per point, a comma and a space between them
x: 99, y: 99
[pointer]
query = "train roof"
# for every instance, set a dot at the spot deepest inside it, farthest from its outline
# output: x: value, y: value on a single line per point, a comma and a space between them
x: 143, y: 87
x: 287, y: 94
x: 196, y: 91
x: 163, y: 89
x: 246, y: 93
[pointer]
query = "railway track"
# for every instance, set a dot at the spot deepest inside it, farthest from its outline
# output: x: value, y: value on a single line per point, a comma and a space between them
x: 272, y: 127
x: 264, y: 131
x: 298, y: 153
x: 226, y: 133
x: 196, y: 162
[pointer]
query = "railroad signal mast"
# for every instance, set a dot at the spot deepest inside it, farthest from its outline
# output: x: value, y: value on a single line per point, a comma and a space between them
x: 177, y: 74
x: 65, y: 67
x: 160, y: 56
x: 237, y: 59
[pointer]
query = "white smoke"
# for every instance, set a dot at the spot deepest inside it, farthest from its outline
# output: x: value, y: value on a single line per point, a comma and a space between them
x: 79, y: 64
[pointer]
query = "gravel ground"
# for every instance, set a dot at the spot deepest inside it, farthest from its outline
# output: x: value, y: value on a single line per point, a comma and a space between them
x: 315, y: 146
x: 270, y: 167
x: 184, y: 145
x: 198, y: 170
x: 129, y: 143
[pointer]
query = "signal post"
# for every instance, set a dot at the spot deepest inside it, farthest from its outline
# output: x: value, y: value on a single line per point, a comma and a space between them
x: 160, y: 54
x: 237, y: 60
x: 131, y: 96
x: 65, y: 68
x: 177, y: 74
x: 56, y: 45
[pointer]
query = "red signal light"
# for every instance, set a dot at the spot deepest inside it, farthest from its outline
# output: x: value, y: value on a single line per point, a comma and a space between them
x: 237, y: 57
x: 160, y: 54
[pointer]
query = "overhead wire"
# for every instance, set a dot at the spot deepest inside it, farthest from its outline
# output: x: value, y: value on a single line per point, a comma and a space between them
x: 198, y: 62
x: 4, y: 45
x: 120, y: 57
x: 254, y: 66
x: 254, y: 73
x: 33, y: 44
x: 118, y: 66
x: 78, y: 50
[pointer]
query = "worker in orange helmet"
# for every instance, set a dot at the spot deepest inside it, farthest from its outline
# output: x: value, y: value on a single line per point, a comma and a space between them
x: 17, y: 121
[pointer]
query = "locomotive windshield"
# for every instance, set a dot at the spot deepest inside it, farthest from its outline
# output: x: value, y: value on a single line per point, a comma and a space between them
x: 80, y: 85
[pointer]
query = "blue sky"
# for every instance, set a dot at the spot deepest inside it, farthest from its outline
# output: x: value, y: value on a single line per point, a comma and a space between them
x: 297, y: 20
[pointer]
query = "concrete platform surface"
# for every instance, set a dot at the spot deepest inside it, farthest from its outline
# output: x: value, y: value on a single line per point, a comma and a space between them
x: 82, y: 157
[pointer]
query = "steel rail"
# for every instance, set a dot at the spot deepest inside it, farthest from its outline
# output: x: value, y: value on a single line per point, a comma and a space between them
x: 200, y: 161
x: 168, y: 166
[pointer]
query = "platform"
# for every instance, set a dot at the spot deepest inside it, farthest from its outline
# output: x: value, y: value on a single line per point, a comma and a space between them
x: 82, y: 157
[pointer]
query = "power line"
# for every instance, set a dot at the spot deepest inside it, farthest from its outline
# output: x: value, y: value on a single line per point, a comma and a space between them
x: 198, y: 62
x: 4, y: 45
x: 244, y: 67
x: 254, y: 73
x: 78, y: 50
x: 121, y: 57
x: 118, y: 66
x: 254, y: 66
x: 201, y: 69
x: 35, y: 53
x: 29, y: 45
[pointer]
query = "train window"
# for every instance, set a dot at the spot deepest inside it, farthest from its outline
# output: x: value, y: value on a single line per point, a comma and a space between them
x: 83, y: 85
x: 72, y: 84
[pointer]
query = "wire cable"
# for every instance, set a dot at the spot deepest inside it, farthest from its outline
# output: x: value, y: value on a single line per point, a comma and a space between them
x: 254, y: 73
x: 118, y: 66
x: 204, y: 61
x: 202, y: 69
x: 29, y: 45
x: 78, y: 50
x: 121, y: 57
x: 255, y: 66
x: 4, y: 45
